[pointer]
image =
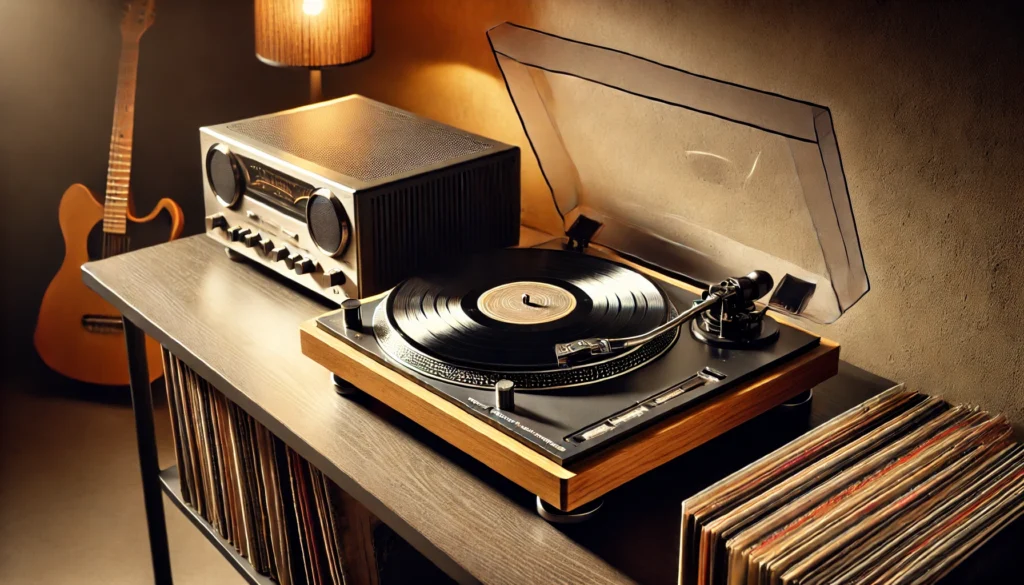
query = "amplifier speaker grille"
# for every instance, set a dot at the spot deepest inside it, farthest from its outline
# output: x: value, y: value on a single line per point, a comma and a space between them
x: 362, y: 139
x: 420, y: 223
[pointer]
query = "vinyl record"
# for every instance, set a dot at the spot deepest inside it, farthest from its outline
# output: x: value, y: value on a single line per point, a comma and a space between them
x: 505, y: 310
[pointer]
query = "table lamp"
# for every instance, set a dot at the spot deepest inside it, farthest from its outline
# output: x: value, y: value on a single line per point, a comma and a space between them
x: 313, y: 34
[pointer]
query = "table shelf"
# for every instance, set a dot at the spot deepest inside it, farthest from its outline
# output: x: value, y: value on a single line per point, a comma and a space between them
x: 171, y: 485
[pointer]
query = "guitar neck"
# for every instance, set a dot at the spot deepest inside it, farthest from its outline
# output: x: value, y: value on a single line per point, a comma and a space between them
x: 119, y: 164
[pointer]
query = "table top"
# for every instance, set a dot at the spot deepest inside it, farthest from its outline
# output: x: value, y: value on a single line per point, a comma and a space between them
x: 238, y: 327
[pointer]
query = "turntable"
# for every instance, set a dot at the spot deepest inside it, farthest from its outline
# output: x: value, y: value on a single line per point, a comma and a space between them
x: 659, y: 320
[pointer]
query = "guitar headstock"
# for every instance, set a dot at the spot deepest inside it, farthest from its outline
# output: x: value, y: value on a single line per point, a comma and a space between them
x: 138, y: 17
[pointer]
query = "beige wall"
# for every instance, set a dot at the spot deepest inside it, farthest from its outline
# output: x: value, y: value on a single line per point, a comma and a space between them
x: 926, y: 99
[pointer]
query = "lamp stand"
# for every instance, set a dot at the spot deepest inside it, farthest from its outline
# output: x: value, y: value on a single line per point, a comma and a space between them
x: 316, y: 90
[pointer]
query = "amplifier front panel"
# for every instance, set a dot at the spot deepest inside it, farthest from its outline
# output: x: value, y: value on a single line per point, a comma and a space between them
x: 281, y: 230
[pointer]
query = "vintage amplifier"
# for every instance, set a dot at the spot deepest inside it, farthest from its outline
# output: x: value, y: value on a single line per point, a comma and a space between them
x: 349, y: 196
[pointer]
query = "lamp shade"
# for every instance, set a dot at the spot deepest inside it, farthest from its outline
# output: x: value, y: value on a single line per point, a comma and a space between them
x: 313, y: 33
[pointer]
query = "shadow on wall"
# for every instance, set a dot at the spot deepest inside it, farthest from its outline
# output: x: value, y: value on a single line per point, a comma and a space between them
x: 925, y: 98
x: 434, y: 59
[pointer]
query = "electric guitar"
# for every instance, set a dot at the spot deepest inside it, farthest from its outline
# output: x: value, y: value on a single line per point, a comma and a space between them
x: 79, y: 334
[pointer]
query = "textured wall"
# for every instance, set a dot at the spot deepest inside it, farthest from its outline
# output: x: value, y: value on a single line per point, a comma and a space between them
x: 926, y: 99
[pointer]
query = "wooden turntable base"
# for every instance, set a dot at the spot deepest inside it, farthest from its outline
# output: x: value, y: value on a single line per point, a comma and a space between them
x: 570, y: 487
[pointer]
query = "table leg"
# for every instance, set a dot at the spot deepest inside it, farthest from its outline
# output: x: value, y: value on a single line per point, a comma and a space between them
x: 142, y: 404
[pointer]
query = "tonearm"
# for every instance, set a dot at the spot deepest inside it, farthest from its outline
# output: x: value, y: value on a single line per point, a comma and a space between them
x: 728, y: 296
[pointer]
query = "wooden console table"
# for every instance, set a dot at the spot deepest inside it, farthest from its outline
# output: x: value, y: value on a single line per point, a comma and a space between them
x: 239, y: 328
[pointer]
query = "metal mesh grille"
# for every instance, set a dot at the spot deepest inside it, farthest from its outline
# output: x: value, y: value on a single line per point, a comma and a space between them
x: 325, y: 223
x: 362, y: 139
x: 421, y: 223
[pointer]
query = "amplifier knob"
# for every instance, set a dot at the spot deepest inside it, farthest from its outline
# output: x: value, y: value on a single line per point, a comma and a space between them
x: 277, y: 254
x: 225, y: 175
x: 291, y: 261
x: 327, y: 222
x: 332, y: 278
x: 253, y: 239
x: 217, y: 222
x: 304, y: 266
x: 238, y: 232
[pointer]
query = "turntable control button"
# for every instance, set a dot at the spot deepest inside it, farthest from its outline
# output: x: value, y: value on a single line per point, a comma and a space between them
x: 217, y: 221
x: 353, y: 316
x: 252, y: 239
x: 304, y: 266
x: 266, y: 246
x: 505, y: 395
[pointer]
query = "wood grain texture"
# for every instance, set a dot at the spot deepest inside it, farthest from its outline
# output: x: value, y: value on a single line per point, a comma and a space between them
x: 569, y: 488
x: 694, y: 427
x: 359, y: 560
x: 495, y: 449
x: 238, y: 328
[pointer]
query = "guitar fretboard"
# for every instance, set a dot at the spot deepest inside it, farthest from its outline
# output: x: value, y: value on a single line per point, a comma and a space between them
x: 119, y: 165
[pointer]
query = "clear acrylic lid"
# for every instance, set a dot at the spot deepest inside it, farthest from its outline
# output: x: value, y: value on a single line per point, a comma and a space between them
x: 697, y: 176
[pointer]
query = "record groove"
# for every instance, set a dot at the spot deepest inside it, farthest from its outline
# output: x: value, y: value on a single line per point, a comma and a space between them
x: 434, y: 324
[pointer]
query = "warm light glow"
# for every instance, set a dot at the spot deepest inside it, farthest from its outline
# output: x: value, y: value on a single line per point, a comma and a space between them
x: 312, y: 7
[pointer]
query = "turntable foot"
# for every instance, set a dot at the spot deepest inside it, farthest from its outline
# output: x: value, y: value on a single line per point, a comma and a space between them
x: 342, y: 386
x: 800, y: 399
x: 232, y: 255
x: 556, y: 516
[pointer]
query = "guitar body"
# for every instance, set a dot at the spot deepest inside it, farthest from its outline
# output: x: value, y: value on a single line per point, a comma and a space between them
x: 78, y: 333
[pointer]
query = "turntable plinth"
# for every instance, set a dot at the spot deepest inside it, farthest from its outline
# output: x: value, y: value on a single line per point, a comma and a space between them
x: 578, y: 483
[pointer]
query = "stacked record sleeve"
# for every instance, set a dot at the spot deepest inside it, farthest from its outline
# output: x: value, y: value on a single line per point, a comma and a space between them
x: 280, y: 512
x: 900, y: 489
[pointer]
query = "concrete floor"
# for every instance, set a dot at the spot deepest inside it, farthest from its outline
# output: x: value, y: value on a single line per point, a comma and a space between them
x: 71, y: 506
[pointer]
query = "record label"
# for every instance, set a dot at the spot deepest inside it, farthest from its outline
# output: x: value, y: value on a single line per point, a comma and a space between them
x: 526, y: 303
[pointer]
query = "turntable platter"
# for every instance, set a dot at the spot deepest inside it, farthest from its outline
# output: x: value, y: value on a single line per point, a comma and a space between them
x: 500, y: 314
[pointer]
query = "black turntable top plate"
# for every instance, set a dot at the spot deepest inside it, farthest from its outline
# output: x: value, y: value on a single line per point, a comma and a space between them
x: 446, y: 333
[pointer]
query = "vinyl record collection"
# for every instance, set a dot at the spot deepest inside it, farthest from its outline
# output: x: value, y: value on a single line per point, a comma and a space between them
x: 280, y: 512
x: 897, y: 490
